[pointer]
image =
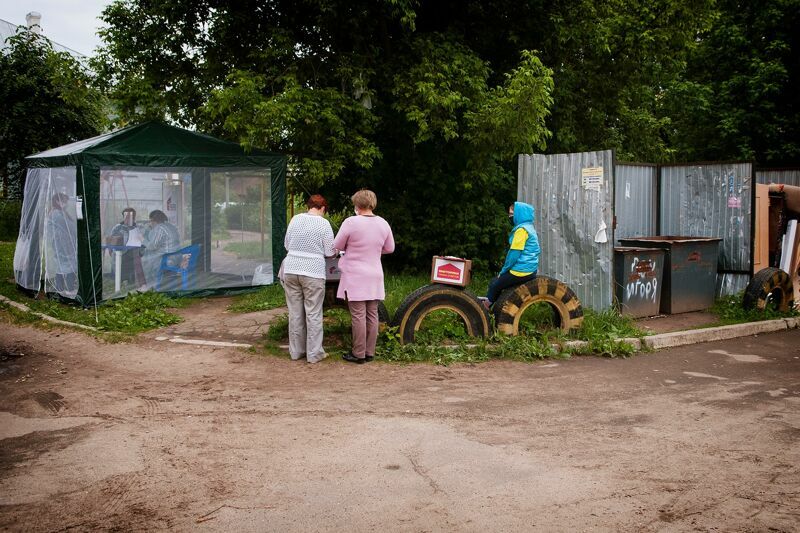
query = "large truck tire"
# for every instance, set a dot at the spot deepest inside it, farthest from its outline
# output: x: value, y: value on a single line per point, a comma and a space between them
x: 770, y: 287
x: 423, y: 301
x: 512, y: 303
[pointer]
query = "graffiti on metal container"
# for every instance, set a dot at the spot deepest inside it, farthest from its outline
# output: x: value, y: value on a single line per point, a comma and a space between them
x: 642, y: 280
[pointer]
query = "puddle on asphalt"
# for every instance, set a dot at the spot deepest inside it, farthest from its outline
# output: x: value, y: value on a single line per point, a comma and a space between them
x: 741, y: 357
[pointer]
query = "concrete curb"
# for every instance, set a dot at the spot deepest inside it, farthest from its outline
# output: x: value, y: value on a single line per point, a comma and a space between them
x: 682, y: 338
x: 697, y: 336
x: 48, y: 318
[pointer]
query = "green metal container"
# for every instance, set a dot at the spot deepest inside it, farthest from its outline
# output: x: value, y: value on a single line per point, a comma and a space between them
x: 690, y: 270
x: 638, y: 279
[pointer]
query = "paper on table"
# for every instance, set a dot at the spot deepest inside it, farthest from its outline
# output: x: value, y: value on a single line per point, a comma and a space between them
x: 134, y: 237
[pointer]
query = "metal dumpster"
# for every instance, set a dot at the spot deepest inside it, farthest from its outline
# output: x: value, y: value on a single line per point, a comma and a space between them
x: 638, y: 279
x: 690, y: 270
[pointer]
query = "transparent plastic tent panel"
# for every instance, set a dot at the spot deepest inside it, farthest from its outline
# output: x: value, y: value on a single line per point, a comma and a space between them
x: 184, y: 228
x: 47, y: 246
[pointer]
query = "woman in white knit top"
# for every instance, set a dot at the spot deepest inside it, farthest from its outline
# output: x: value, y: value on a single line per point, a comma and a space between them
x: 309, y: 240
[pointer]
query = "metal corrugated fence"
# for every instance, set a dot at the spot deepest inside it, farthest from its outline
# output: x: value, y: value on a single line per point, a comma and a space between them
x: 787, y: 176
x: 569, y: 217
x: 712, y: 200
x: 635, y: 188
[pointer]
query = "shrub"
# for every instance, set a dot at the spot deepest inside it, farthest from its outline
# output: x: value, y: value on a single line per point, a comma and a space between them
x: 10, y: 212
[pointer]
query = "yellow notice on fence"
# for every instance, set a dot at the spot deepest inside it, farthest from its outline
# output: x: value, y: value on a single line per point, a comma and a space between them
x: 592, y: 178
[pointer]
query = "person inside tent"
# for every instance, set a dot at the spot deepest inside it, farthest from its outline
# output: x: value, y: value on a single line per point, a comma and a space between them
x: 62, y: 241
x: 522, y: 258
x: 128, y: 233
x: 160, y: 237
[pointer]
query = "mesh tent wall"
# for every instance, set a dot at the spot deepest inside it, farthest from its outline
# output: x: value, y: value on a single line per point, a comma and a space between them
x: 217, y: 202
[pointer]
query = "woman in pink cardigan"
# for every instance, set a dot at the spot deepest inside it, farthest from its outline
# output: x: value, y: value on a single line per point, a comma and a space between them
x: 364, y: 238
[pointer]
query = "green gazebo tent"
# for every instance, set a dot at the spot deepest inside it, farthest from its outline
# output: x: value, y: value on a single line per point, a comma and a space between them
x: 150, y: 207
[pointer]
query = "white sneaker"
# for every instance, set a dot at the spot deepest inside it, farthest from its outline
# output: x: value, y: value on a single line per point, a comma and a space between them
x: 318, y: 359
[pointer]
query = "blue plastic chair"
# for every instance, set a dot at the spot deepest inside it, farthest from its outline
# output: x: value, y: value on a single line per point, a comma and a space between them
x: 194, y: 253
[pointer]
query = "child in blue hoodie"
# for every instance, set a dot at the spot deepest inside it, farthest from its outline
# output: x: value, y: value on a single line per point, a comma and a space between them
x: 522, y: 259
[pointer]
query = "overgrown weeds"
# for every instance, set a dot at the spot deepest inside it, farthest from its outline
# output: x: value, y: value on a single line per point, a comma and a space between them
x: 442, y: 340
x: 138, y: 312
x: 729, y: 310
x: 264, y: 299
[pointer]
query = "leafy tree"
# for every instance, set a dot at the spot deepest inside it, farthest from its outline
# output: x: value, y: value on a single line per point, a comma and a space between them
x: 47, y: 101
x: 739, y: 98
x: 428, y: 102
x: 614, y: 60
x: 354, y: 93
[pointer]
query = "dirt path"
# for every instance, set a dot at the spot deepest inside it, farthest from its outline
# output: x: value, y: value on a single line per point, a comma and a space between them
x: 159, y: 436
x: 209, y: 319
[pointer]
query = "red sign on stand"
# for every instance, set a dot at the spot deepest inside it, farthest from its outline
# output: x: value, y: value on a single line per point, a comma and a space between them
x: 451, y: 271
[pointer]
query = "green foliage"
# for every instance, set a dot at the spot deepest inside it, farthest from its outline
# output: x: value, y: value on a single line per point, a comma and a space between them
x: 729, y: 310
x: 521, y: 348
x: 278, y: 328
x: 739, y: 97
x: 441, y: 326
x: 605, y: 346
x: 47, y: 101
x: 359, y: 95
x: 519, y: 108
x: 138, y: 312
x: 248, y: 249
x: 613, y: 61
x: 10, y: 212
x: 245, y: 217
x: 427, y: 103
x: 331, y: 127
x: 538, y: 317
x: 267, y: 297
x: 607, y: 324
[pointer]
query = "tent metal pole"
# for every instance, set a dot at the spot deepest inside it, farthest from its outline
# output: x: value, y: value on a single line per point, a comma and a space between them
x: 89, y: 244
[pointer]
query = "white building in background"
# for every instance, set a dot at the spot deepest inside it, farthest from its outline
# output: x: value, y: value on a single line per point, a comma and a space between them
x: 33, y: 22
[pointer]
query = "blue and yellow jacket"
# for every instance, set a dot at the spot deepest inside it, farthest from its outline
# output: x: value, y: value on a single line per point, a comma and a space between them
x: 522, y: 258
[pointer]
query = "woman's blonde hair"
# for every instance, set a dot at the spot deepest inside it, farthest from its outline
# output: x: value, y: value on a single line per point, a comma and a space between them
x: 365, y: 199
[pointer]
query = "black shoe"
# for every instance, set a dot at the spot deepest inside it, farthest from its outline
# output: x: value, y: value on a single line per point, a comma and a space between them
x: 350, y: 358
x: 369, y: 358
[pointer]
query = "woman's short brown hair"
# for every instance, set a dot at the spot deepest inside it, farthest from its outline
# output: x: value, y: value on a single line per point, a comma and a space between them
x: 158, y: 216
x: 365, y: 199
x: 316, y: 201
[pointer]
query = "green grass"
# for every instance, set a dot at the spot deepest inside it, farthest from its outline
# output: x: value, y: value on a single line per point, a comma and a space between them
x: 442, y: 337
x: 249, y: 249
x: 220, y: 235
x: 267, y: 297
x: 398, y: 286
x: 133, y: 314
x: 729, y: 310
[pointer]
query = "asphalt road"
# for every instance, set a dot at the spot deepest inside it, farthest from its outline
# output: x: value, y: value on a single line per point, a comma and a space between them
x: 159, y: 436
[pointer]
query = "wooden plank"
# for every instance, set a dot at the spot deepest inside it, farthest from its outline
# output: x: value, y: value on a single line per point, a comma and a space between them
x: 761, y: 246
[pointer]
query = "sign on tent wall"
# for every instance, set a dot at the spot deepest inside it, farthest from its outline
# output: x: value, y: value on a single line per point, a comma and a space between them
x: 712, y: 200
x: 573, y: 195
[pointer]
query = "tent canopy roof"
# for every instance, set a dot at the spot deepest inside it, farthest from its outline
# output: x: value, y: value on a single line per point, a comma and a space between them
x: 152, y: 144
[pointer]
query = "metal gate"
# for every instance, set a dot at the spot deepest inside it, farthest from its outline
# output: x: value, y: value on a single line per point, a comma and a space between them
x: 713, y: 200
x: 573, y: 195
x: 635, y: 188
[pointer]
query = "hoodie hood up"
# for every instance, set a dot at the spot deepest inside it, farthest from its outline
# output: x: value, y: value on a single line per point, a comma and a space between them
x: 523, y: 213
